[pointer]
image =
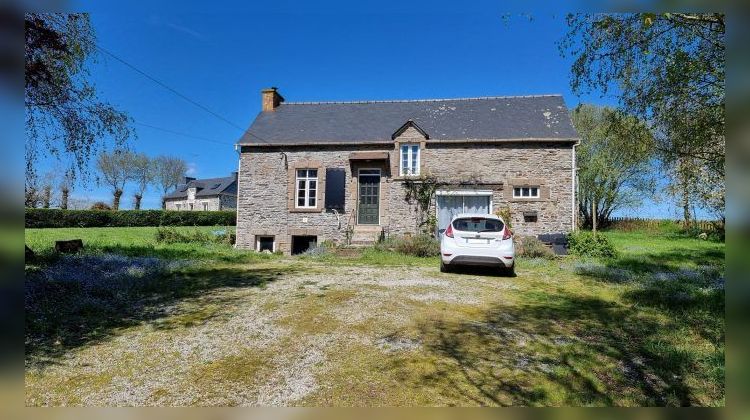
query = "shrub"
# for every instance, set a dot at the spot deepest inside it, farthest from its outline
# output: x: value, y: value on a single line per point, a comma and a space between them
x: 532, y: 247
x: 591, y: 245
x: 506, y: 214
x: 170, y: 235
x: 328, y: 244
x: 387, y: 243
x: 173, y: 236
x: 418, y: 246
x: 316, y: 251
x: 100, y: 205
x: 57, y: 218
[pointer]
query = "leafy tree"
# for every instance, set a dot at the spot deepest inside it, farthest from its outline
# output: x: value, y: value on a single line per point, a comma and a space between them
x: 64, y: 117
x: 693, y: 185
x: 169, y: 172
x: 142, y: 174
x: 614, y: 161
x: 669, y: 70
x: 115, y: 171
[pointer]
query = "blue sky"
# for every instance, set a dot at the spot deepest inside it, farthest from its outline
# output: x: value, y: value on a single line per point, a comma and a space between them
x: 222, y: 58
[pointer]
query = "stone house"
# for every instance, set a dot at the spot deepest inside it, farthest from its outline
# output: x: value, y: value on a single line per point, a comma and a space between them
x: 345, y: 171
x: 211, y: 194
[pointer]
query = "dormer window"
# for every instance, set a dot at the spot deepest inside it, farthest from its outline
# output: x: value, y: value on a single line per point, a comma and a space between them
x: 410, y: 159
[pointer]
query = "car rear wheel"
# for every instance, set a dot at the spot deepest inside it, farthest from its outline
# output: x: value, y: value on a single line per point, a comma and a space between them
x: 444, y: 268
x: 509, y: 271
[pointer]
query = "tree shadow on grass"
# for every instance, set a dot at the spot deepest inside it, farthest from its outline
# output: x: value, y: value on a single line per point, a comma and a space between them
x: 686, y: 285
x: 567, y: 350
x: 654, y: 262
x: 66, y: 313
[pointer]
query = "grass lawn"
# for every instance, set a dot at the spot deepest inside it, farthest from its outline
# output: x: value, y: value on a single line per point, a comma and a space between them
x: 188, y: 324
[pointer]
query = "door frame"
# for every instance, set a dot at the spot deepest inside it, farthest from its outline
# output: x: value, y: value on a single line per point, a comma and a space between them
x: 380, y: 189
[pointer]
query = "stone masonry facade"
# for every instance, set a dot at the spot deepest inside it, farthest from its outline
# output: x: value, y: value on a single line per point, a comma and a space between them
x: 215, y: 203
x: 267, y: 186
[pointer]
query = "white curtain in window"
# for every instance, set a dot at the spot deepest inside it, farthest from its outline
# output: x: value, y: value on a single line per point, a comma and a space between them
x: 452, y: 205
x: 448, y: 206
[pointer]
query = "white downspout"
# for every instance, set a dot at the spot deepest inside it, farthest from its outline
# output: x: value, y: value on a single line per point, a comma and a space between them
x: 573, y: 188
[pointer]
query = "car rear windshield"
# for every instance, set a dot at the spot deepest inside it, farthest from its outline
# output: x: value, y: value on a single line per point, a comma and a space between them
x: 478, y: 224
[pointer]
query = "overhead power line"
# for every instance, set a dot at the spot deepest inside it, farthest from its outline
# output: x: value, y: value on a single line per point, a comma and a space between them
x: 179, y: 94
x: 166, y: 130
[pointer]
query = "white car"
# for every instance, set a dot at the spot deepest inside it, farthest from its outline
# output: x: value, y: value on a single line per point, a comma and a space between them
x: 477, y: 239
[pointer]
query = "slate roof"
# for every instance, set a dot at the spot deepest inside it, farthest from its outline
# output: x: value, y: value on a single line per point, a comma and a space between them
x: 541, y: 117
x: 206, y: 187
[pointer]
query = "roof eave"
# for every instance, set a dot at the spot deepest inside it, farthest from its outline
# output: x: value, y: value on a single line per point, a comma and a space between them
x: 430, y: 141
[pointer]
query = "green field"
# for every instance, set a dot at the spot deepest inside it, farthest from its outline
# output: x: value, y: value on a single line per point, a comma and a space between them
x: 218, y: 326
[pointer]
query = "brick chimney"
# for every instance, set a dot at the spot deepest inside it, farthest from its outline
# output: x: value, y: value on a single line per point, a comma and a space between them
x: 271, y: 98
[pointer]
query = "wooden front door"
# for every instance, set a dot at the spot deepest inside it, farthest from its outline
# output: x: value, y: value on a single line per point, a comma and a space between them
x: 369, y: 197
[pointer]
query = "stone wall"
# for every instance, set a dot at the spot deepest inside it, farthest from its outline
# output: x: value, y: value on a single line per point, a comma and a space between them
x: 498, y: 167
x: 263, y: 202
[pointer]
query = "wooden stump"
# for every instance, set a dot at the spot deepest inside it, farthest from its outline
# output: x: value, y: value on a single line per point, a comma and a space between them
x: 69, y: 247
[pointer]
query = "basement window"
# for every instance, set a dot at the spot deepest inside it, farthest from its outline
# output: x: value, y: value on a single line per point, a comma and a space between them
x: 300, y: 244
x: 265, y: 243
x: 529, y: 217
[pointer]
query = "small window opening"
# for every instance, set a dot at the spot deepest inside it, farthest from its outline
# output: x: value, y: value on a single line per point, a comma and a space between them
x: 526, y: 192
x: 265, y: 243
x: 300, y: 244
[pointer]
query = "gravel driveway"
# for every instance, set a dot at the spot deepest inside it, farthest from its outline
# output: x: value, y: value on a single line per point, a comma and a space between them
x: 281, y: 344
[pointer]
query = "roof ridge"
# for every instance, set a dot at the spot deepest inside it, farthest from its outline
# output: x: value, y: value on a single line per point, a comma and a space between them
x: 423, y: 100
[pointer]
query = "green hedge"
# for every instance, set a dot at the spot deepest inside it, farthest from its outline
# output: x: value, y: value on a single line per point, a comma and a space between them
x: 56, y: 218
x: 590, y: 244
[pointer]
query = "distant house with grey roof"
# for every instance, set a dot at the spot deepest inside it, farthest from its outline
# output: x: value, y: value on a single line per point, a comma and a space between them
x: 342, y: 171
x: 210, y: 194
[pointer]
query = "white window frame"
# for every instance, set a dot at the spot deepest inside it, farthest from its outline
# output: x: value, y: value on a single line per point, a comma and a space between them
x: 178, y: 206
x: 273, y: 242
x: 307, y: 178
x: 205, y: 205
x: 190, y: 206
x: 409, y: 170
x: 530, y: 188
x: 486, y: 193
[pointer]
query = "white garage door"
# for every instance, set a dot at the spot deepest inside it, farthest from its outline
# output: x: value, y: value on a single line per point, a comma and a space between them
x: 453, y: 204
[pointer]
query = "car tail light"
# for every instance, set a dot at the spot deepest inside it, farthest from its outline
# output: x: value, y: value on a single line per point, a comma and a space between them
x: 449, y: 232
x: 507, y: 234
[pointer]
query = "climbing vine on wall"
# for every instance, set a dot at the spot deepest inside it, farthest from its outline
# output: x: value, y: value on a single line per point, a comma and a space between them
x: 420, y: 192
